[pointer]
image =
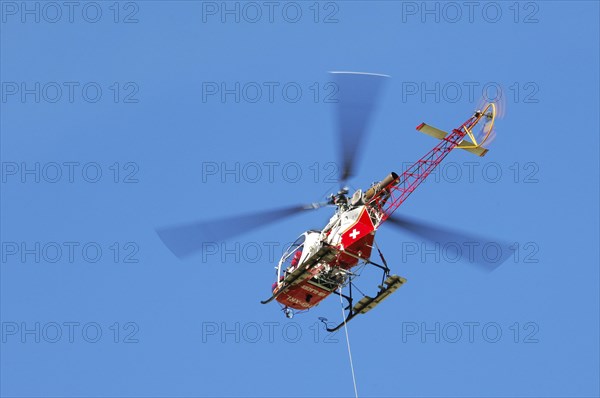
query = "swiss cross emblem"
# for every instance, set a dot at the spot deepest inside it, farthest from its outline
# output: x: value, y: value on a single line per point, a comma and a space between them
x: 354, y: 233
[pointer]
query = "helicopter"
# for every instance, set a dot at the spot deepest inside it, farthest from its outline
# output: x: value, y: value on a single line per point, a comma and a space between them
x: 322, y: 262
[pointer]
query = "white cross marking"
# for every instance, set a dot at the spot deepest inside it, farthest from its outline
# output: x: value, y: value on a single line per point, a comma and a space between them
x: 354, y: 233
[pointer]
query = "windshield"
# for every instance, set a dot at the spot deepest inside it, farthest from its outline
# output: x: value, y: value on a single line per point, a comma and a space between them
x: 292, y: 256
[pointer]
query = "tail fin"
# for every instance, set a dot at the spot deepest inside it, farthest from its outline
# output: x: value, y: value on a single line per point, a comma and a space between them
x: 476, y: 148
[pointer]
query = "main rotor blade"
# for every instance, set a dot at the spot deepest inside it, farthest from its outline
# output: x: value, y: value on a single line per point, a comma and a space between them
x: 457, y: 245
x: 184, y: 240
x: 357, y: 98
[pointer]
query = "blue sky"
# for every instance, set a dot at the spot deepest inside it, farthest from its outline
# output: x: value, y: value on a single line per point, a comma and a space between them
x: 118, y: 118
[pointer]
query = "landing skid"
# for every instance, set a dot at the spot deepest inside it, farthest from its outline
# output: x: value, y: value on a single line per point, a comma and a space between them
x: 366, y: 304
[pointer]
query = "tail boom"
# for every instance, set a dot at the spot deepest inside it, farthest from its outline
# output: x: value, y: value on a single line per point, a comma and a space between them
x: 399, y: 190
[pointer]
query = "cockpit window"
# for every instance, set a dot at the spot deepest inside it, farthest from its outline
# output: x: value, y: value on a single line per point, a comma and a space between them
x: 292, y: 256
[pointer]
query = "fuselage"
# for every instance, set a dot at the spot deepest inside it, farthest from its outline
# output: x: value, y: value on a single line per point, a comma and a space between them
x: 349, y: 235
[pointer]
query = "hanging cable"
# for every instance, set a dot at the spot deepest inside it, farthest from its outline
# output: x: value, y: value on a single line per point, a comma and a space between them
x: 348, y: 344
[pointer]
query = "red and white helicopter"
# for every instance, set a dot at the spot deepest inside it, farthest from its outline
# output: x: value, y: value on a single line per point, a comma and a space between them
x: 320, y: 263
